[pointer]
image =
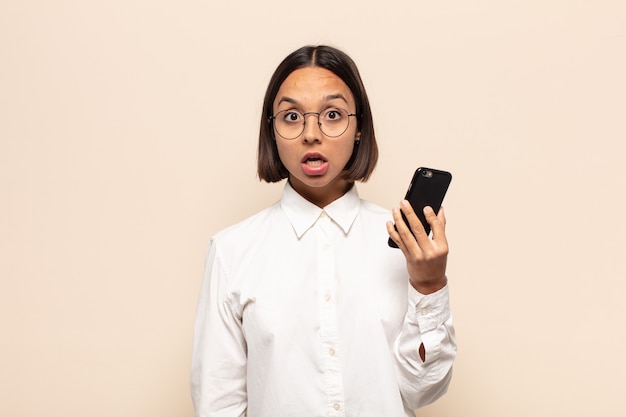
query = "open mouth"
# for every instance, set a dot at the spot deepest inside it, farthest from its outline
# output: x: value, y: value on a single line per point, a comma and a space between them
x: 314, y: 164
x: 314, y: 160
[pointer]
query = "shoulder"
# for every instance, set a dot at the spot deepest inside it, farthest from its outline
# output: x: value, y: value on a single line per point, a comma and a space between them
x: 372, y: 209
x: 242, y: 248
x: 254, y: 225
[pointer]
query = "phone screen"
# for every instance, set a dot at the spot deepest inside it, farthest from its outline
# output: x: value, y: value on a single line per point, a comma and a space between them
x: 428, y: 188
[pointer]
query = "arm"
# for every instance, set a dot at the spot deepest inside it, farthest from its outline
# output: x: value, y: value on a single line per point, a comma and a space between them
x: 218, y: 369
x: 425, y: 349
x: 426, y: 346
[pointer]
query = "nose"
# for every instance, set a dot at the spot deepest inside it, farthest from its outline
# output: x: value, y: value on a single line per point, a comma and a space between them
x: 312, y: 130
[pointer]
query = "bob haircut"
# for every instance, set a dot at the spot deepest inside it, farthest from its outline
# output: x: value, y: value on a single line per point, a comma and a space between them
x: 365, y: 154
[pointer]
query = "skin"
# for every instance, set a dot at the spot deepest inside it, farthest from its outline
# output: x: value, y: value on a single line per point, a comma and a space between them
x: 426, y: 258
x: 314, y: 89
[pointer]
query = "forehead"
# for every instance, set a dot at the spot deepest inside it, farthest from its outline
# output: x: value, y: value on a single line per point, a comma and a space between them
x: 313, y: 84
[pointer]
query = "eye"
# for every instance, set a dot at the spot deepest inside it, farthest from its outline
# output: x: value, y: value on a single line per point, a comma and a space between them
x: 291, y: 116
x: 333, y: 115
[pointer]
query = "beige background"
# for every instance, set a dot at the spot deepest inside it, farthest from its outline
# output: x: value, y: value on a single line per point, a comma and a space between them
x: 128, y: 137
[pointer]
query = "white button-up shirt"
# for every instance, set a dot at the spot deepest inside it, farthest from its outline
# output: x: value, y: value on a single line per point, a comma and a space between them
x: 306, y: 312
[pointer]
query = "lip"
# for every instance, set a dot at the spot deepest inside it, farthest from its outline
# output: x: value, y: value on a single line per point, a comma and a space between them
x: 313, y: 155
x: 314, y: 163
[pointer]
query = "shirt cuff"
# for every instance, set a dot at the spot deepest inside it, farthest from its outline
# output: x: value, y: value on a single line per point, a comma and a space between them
x: 428, y: 311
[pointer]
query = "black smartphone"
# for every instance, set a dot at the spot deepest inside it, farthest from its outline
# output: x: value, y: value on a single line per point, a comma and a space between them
x: 428, y: 188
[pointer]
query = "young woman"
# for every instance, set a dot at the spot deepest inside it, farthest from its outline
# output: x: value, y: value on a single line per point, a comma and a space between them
x: 304, y: 309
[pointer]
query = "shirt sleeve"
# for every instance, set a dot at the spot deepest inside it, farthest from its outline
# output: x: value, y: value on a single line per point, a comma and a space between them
x: 428, y: 321
x: 219, y: 356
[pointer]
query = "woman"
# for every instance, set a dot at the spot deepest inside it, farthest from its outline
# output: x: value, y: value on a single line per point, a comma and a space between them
x: 304, y: 309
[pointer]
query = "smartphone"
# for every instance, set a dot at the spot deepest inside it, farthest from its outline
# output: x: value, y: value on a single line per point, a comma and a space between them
x: 428, y: 188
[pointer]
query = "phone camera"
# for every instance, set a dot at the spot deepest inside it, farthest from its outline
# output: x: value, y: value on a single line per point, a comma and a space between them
x: 427, y: 174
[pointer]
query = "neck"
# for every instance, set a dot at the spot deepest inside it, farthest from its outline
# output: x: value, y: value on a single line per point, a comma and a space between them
x: 322, y: 196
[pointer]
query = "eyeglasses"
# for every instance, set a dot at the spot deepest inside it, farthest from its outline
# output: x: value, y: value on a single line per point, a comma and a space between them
x: 333, y: 122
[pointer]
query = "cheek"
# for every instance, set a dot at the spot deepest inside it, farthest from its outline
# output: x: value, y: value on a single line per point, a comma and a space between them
x: 349, y: 144
x: 285, y: 153
x: 349, y: 147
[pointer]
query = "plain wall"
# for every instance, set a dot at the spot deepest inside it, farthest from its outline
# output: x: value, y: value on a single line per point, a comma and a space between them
x: 128, y: 137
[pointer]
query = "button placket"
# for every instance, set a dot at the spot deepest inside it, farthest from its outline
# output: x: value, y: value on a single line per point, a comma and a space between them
x: 328, y: 317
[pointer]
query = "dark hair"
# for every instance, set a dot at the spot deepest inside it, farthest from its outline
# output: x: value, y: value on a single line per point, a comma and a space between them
x: 365, y: 155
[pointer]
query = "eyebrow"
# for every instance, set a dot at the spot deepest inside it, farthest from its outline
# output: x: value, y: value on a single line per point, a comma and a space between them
x: 327, y: 98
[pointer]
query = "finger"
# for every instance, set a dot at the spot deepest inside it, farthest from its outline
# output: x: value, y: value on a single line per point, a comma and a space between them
x: 437, y: 223
x: 394, y: 235
x: 392, y: 229
x: 413, y: 221
x: 403, y: 231
x: 415, y: 224
x: 442, y: 216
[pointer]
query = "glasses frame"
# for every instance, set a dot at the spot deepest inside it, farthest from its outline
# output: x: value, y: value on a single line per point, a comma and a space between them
x: 304, y: 115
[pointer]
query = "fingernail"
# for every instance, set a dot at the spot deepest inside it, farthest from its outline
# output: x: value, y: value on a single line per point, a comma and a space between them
x: 404, y: 203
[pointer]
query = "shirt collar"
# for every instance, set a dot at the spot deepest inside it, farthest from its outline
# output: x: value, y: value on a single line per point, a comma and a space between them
x: 303, y: 214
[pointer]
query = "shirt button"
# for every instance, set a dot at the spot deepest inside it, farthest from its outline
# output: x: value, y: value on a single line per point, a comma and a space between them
x: 327, y: 297
x: 336, y: 406
x: 331, y: 352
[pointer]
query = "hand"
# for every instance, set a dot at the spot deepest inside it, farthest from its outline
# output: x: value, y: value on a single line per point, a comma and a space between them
x: 426, y: 257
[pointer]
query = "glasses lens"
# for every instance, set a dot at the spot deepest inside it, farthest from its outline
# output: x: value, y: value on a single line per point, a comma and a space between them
x: 333, y: 122
x: 289, y: 123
